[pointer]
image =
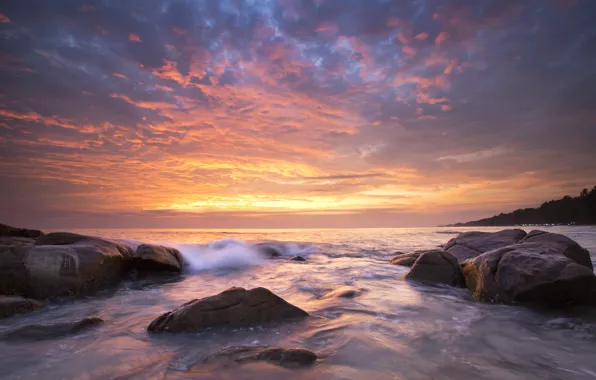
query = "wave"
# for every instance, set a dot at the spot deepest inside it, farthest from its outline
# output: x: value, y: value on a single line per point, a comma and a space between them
x: 229, y: 254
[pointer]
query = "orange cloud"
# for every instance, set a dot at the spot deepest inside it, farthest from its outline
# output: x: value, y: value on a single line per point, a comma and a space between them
x: 133, y: 37
x: 441, y: 37
x: 4, y: 19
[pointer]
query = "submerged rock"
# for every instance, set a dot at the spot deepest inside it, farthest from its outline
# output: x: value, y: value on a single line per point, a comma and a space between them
x: 50, y: 331
x: 11, y: 305
x: 474, y: 243
x: 6, y: 230
x: 71, y: 264
x: 284, y: 357
x: 156, y: 258
x: 543, y: 269
x: 298, y: 258
x: 343, y: 292
x: 235, y: 307
x: 436, y: 267
x: 270, y: 250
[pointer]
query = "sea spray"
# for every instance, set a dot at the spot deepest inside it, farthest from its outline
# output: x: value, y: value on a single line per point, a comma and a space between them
x: 220, y: 254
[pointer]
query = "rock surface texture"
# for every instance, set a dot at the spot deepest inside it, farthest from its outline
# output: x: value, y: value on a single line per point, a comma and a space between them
x: 50, y: 331
x: 235, y: 307
x: 471, y: 244
x: 156, y: 258
x: 284, y: 357
x: 6, y: 230
x: 12, y: 305
x: 436, y: 267
x: 543, y: 269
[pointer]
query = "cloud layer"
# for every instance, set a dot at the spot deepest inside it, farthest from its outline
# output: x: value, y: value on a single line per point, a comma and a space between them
x: 267, y: 113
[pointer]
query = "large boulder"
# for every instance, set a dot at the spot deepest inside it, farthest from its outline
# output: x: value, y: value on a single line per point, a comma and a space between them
x: 235, y: 307
x: 544, y: 269
x: 11, y: 305
x: 436, y: 267
x: 284, y: 357
x: 154, y: 258
x: 50, y: 331
x: 72, y: 264
x: 13, y: 273
x: 471, y: 244
x: 405, y: 259
x: 6, y: 230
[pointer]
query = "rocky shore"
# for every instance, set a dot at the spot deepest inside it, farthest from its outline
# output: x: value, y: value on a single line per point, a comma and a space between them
x: 510, y: 266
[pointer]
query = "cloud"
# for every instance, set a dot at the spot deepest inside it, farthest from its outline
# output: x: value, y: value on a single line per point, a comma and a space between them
x: 292, y: 108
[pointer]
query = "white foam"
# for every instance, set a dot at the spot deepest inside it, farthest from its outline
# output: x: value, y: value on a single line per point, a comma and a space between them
x: 220, y: 254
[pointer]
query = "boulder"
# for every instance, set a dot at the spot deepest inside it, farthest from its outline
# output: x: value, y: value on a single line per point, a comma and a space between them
x: 71, y: 264
x: 13, y: 273
x: 284, y: 357
x: 50, y: 331
x: 343, y: 292
x: 156, y: 258
x: 6, y: 230
x: 436, y: 267
x: 565, y: 245
x: 540, y: 270
x: 11, y: 305
x: 471, y: 244
x: 298, y: 258
x: 14, y: 241
x: 235, y: 307
x: 406, y: 259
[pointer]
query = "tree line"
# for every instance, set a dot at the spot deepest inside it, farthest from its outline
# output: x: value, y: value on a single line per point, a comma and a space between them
x: 567, y: 210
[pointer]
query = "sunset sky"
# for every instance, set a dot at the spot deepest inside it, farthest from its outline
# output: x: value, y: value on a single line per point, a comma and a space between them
x: 292, y: 113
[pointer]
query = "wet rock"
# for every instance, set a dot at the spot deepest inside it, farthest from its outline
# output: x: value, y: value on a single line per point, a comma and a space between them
x: 50, y: 331
x: 474, y: 243
x: 11, y: 305
x: 436, y: 267
x: 6, y: 230
x: 269, y: 250
x: 235, y: 307
x: 343, y: 292
x: 71, y: 264
x: 13, y: 241
x: 156, y: 258
x: 546, y: 271
x: 407, y: 259
x: 13, y: 273
x: 298, y: 258
x: 284, y: 357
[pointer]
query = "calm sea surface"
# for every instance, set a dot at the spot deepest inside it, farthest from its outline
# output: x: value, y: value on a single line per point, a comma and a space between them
x: 394, y: 330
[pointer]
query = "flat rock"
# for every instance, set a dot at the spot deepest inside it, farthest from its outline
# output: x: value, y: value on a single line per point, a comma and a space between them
x: 284, y: 357
x: 235, y: 307
x: 71, y: 264
x: 436, y: 267
x: 50, y: 331
x: 474, y: 243
x: 157, y: 258
x: 343, y: 292
x: 11, y: 305
x: 541, y: 270
x: 6, y: 230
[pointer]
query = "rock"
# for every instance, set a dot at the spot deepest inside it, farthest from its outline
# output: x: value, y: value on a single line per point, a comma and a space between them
x: 13, y: 273
x: 13, y: 241
x: 406, y: 259
x: 71, y: 264
x: 235, y: 307
x: 284, y: 357
x: 436, y: 267
x: 6, y: 230
x: 536, y: 271
x: 298, y: 258
x: 471, y: 244
x: 16, y: 305
x: 269, y: 250
x: 567, y: 246
x: 157, y: 258
x: 343, y: 292
x: 50, y: 331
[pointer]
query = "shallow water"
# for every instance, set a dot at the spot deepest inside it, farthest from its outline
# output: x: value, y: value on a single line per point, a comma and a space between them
x: 394, y: 330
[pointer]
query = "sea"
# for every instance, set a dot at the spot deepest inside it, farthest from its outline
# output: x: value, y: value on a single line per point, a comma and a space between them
x: 393, y: 330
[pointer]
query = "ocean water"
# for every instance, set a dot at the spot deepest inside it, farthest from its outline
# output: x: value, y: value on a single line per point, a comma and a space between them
x: 394, y: 330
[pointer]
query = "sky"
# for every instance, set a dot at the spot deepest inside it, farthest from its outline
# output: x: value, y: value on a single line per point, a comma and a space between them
x: 292, y: 113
